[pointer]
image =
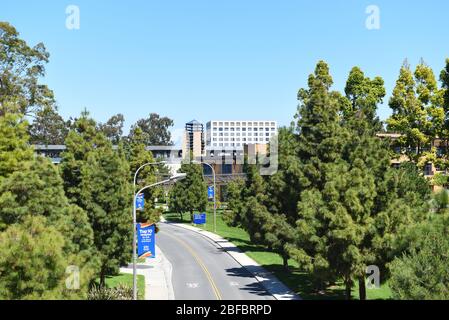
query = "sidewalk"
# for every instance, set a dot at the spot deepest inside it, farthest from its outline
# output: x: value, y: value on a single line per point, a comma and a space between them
x: 272, y: 284
x: 158, y: 275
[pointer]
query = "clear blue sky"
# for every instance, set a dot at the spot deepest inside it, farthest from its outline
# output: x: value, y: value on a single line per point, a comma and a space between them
x: 210, y: 59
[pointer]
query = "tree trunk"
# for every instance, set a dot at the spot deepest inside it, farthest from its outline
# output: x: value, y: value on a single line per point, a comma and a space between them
x: 102, y: 279
x: 348, y: 287
x: 180, y: 214
x: 362, y: 288
x: 191, y: 216
x: 285, y: 262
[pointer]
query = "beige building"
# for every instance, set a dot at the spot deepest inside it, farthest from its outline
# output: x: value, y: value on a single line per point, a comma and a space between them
x: 193, y: 140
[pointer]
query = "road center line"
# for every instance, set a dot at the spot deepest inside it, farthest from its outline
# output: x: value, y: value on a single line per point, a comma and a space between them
x: 200, y: 262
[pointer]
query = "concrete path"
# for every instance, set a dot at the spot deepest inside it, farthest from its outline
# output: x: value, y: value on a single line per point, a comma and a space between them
x: 265, y: 278
x: 158, y: 277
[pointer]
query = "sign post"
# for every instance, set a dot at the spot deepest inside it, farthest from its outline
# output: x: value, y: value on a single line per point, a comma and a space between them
x: 146, y: 246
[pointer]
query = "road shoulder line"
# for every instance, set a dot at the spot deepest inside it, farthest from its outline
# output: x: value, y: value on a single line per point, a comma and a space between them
x: 268, y: 280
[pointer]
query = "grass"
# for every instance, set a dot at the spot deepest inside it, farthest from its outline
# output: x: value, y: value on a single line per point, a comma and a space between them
x: 127, y: 279
x: 297, y: 280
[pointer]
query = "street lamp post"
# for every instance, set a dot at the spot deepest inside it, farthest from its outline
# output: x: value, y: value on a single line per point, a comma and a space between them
x: 215, y: 203
x: 178, y: 176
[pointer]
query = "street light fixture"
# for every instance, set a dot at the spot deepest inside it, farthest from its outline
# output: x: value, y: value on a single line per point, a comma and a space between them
x: 175, y: 177
x: 215, y: 203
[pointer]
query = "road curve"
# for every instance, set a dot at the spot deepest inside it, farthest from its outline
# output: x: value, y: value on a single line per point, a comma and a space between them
x: 203, y: 271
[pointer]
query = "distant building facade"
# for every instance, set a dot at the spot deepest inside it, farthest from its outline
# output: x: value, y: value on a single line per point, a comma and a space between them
x: 237, y: 134
x: 193, y: 140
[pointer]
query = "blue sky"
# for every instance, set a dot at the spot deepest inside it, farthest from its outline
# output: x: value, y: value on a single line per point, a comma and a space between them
x: 210, y: 59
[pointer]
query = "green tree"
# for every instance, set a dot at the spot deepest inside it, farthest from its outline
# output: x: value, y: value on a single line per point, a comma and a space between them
x: 321, y: 139
x: 35, y: 188
x: 155, y: 130
x: 364, y: 95
x: 14, y: 149
x: 417, y: 112
x: 113, y: 128
x: 248, y: 205
x: 189, y: 194
x: 32, y: 262
x: 421, y: 273
x: 97, y: 179
x: 21, y: 68
x: 138, y: 155
x: 48, y: 128
x: 81, y: 141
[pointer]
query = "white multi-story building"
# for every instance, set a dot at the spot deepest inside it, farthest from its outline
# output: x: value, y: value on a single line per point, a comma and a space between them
x: 221, y: 133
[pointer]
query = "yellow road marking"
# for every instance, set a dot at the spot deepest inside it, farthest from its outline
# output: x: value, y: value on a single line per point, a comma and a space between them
x: 200, y: 262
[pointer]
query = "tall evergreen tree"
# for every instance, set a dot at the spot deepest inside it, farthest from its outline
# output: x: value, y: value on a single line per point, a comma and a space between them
x: 416, y: 110
x: 32, y: 262
x: 138, y: 155
x: 14, y: 149
x: 189, y: 194
x: 97, y: 179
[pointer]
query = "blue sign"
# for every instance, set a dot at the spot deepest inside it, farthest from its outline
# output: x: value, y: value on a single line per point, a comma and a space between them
x: 210, y: 192
x: 140, y: 201
x: 146, y: 240
x: 199, y: 218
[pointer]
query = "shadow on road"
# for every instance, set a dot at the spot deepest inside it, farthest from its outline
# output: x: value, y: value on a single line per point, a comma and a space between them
x: 254, y: 287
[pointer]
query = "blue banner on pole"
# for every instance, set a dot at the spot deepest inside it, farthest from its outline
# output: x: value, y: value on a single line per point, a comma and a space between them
x: 140, y: 201
x: 146, y: 240
x: 199, y: 218
x: 210, y: 192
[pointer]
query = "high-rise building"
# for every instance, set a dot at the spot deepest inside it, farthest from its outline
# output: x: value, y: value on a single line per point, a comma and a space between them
x: 193, y: 139
x: 220, y: 133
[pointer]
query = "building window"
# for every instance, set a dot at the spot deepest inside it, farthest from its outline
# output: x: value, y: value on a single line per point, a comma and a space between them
x: 226, y: 168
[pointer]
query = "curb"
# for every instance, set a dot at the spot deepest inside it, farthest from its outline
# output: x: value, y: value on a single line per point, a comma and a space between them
x: 158, y: 273
x: 268, y: 280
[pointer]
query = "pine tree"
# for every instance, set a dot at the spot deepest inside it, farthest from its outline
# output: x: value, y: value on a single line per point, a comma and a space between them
x: 320, y: 144
x: 14, y: 149
x: 97, y: 179
x: 189, y: 194
x: 417, y: 112
x: 138, y: 156
x: 32, y: 262
x: 37, y: 190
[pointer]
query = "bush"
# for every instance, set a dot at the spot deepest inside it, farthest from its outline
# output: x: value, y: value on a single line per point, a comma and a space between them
x: 121, y: 292
x: 422, y: 273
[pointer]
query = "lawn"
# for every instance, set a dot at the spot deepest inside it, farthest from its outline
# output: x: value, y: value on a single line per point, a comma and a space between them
x: 127, y: 279
x: 295, y: 279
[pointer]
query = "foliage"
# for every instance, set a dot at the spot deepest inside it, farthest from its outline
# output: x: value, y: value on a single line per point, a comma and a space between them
x: 113, y: 128
x: 121, y: 292
x: 97, y: 179
x: 48, y: 128
x: 422, y: 273
x: 32, y: 264
x: 189, y: 194
x: 14, y: 149
x: 155, y: 130
x: 138, y: 156
x: 21, y: 68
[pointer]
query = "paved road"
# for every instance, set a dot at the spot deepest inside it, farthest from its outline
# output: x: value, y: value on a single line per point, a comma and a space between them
x: 203, y: 271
